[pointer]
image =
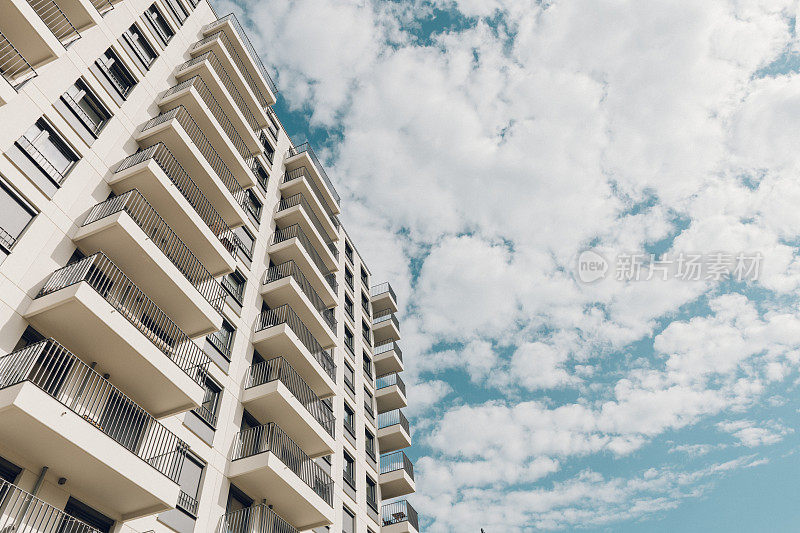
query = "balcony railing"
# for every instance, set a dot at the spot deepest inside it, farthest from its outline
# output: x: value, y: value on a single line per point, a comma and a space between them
x: 248, y: 45
x: 140, y: 210
x: 290, y: 268
x: 271, y: 438
x: 285, y: 315
x: 305, y: 147
x: 397, y: 461
x: 298, y: 199
x: 103, y: 6
x: 187, y: 503
x: 228, y: 46
x: 295, y: 231
x: 278, y: 369
x: 114, y: 286
x: 234, y: 93
x: 205, y: 94
x: 388, y: 346
x: 366, y: 335
x: 302, y: 172
x: 195, y: 133
x: 384, y: 316
x: 55, y: 19
x: 331, y: 279
x: 397, y: 512
x: 388, y: 380
x: 14, y: 68
x: 188, y: 188
x: 60, y: 374
x: 391, y: 418
x: 41, y: 160
x: 381, y: 288
x: 254, y: 519
x: 24, y: 512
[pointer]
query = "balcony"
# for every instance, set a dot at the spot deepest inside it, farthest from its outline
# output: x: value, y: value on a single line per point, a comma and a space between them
x: 266, y: 463
x: 14, y: 68
x: 130, y: 232
x: 33, y: 40
x: 177, y: 130
x: 296, y: 210
x: 158, y: 176
x: 24, y: 512
x: 281, y: 331
x: 95, y: 310
x: 199, y: 101
x: 387, y: 358
x: 56, y: 20
x: 385, y: 326
x: 208, y: 66
x: 397, y: 475
x: 390, y: 393
x: 393, y: 431
x: 299, y: 181
x: 382, y: 297
x: 275, y: 392
x: 57, y: 411
x: 399, y: 517
x: 292, y: 244
x: 244, y: 48
x: 303, y: 156
x: 221, y: 46
x: 286, y: 284
x: 257, y: 518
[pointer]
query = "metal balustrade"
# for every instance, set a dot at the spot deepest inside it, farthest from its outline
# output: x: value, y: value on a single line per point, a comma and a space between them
x: 161, y: 155
x: 56, y: 21
x: 195, y: 133
x: 394, y: 461
x: 305, y: 147
x: 388, y: 380
x: 302, y: 172
x: 331, y: 279
x: 397, y: 512
x: 381, y: 288
x: 392, y: 418
x: 296, y: 232
x: 100, y: 273
x: 206, y: 414
x: 285, y: 315
x: 257, y: 518
x: 73, y: 383
x: 13, y: 66
x: 273, y: 119
x: 279, y: 369
x: 299, y: 199
x: 41, y: 160
x: 159, y: 232
x: 187, y: 503
x: 6, y: 239
x: 290, y: 268
x: 247, y: 44
x: 228, y: 46
x: 233, y: 92
x: 205, y: 94
x: 385, y: 316
x: 23, y: 512
x: 270, y: 438
x: 388, y: 346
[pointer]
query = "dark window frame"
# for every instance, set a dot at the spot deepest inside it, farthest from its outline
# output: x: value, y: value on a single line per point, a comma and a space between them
x: 140, y: 45
x: 93, y: 101
x: 118, y: 70
x: 160, y: 31
x: 6, y: 246
x: 60, y: 144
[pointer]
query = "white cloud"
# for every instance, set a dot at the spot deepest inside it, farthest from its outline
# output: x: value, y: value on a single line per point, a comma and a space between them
x: 751, y: 435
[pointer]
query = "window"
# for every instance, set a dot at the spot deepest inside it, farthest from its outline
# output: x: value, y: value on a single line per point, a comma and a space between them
x: 365, y: 304
x: 117, y: 73
x: 209, y: 408
x: 269, y: 151
x: 368, y: 407
x: 15, y: 215
x: 365, y: 332
x: 189, y: 481
x: 48, y: 151
x: 349, y: 376
x: 348, y: 338
x: 349, y: 472
x: 348, y: 277
x: 348, y: 252
x: 237, y: 499
x: 367, y: 364
x: 87, y: 107
x: 246, y: 241
x: 364, y: 276
x: 372, y: 494
x: 160, y: 24
x: 178, y: 10
x: 9, y: 471
x: 222, y: 340
x: 369, y: 443
x: 234, y: 283
x: 348, y: 306
x: 262, y: 176
x: 349, y: 419
x: 141, y: 47
x: 83, y: 512
x: 253, y: 206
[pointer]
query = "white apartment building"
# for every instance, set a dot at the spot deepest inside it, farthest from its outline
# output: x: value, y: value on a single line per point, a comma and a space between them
x: 192, y: 342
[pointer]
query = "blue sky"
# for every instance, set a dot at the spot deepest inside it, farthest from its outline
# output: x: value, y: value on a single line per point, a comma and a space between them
x: 479, y: 148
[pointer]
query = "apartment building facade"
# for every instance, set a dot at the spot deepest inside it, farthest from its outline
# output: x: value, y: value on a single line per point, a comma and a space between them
x: 192, y: 341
